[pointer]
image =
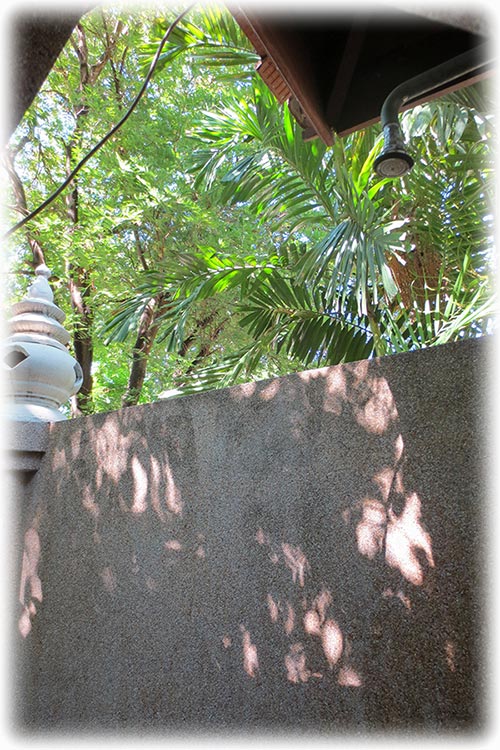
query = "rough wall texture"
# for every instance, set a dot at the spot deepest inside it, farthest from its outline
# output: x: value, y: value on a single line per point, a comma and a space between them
x: 302, y: 553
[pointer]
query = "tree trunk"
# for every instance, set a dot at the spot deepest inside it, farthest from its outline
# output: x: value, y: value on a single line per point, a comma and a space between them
x: 80, y: 281
x: 80, y: 287
x: 21, y: 205
x: 149, y: 325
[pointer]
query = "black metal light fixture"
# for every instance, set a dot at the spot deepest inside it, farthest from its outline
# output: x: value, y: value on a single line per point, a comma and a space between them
x: 394, y: 161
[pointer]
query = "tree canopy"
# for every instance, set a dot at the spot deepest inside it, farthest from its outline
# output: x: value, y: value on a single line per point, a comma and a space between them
x: 206, y: 243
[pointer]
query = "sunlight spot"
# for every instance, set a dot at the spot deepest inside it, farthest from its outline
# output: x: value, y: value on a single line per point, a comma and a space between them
x: 449, y: 650
x: 173, y: 544
x: 31, y: 579
x: 59, y: 459
x: 405, y: 600
x: 336, y: 393
x: 250, y: 658
x: 315, y: 617
x: 24, y: 623
x: 238, y: 393
x: 110, y: 442
x: 273, y: 608
x: 380, y: 409
x: 383, y: 480
x: 370, y: 530
x: 154, y: 491
x: 173, y: 498
x: 290, y: 619
x: 360, y: 370
x: 29, y: 572
x: 398, y: 447
x: 322, y: 602
x: 140, y: 486
x: 76, y: 439
x: 261, y: 537
x: 405, y: 538
x: 332, y: 641
x: 318, y: 372
x: 295, y: 663
x: 108, y: 579
x: 88, y: 501
x: 348, y: 677
x: 312, y: 624
x: 270, y: 391
x: 296, y: 561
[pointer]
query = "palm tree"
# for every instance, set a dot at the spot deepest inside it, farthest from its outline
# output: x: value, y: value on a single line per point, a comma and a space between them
x: 361, y: 265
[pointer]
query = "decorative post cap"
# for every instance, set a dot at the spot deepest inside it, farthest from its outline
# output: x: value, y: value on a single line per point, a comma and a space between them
x: 40, y: 373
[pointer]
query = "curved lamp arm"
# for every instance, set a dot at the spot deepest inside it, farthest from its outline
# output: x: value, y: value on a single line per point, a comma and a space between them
x: 394, y: 161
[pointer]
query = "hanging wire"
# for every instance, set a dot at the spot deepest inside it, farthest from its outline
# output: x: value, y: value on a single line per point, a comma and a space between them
x: 109, y: 134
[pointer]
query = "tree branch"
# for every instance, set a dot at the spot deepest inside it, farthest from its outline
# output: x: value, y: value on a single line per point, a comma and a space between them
x: 38, y: 256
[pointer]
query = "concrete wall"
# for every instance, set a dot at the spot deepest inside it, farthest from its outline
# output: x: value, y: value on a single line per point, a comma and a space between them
x: 303, y: 553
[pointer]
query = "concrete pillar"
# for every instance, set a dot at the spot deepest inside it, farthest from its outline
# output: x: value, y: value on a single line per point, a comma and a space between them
x: 39, y: 376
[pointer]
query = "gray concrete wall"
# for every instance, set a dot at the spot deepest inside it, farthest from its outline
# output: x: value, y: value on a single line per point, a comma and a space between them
x: 304, y: 553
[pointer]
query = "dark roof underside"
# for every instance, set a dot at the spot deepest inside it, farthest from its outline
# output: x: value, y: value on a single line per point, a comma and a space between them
x: 338, y: 69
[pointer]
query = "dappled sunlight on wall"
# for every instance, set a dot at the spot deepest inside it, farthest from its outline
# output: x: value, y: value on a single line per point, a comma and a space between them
x: 296, y: 561
x: 314, y: 625
x: 139, y: 499
x: 354, y: 386
x: 406, y: 539
x: 370, y: 531
x: 386, y: 525
x: 30, y: 594
x: 250, y: 657
x: 295, y: 663
x: 270, y: 552
x: 332, y: 642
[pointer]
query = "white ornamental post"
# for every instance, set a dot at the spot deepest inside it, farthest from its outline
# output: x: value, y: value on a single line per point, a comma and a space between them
x: 39, y: 372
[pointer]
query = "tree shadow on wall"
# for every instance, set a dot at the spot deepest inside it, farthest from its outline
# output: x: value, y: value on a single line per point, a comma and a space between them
x: 283, y: 555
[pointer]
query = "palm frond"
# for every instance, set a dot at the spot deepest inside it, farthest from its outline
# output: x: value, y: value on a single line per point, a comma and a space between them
x: 215, y: 40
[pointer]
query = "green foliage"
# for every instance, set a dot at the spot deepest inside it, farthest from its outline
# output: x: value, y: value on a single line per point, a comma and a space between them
x: 271, y: 254
x: 218, y: 42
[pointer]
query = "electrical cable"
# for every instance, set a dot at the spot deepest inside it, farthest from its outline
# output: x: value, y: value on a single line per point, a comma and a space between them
x: 109, y: 134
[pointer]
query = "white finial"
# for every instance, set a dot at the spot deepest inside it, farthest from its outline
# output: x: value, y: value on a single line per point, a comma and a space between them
x: 43, y: 270
x: 40, y: 288
x: 41, y: 373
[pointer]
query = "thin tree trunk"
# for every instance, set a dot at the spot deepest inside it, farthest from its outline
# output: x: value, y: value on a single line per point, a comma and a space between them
x: 80, y: 281
x: 21, y: 206
x: 149, y: 325
x: 80, y: 287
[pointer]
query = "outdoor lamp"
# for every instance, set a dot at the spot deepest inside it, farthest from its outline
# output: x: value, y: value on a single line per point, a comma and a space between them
x: 394, y: 161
